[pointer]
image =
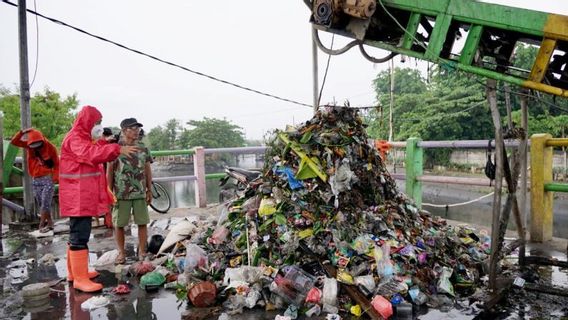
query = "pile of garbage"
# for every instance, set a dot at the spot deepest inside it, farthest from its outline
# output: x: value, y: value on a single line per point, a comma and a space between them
x: 325, y: 230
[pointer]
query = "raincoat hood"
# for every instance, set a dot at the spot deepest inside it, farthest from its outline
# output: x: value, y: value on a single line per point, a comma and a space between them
x: 35, y: 136
x: 86, y: 120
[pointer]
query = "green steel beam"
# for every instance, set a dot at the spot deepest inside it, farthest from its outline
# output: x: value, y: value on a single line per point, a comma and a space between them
x: 438, y: 36
x: 474, y: 12
x: 412, y: 28
x: 470, y: 47
x: 556, y: 187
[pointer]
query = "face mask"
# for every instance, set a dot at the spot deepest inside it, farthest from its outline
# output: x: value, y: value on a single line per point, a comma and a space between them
x: 36, y: 145
x: 97, y: 131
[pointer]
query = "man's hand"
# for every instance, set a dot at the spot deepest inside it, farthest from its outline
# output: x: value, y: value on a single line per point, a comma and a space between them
x: 148, y: 196
x: 128, y: 151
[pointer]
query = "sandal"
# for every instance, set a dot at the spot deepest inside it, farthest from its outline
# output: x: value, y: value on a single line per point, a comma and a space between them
x: 120, y: 259
x: 45, y: 229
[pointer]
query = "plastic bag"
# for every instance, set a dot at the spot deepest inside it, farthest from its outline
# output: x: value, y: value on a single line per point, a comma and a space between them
x: 417, y: 296
x: 444, y: 284
x: 108, y: 258
x: 94, y: 303
x: 252, y: 298
x: 314, y: 296
x: 313, y: 311
x: 194, y: 258
x: 140, y: 268
x: 267, y: 207
x: 382, y: 306
x: 329, y: 292
x: 293, y: 183
x: 244, y: 274
x: 219, y: 235
x: 152, y: 280
x: 384, y: 265
x: 367, y: 283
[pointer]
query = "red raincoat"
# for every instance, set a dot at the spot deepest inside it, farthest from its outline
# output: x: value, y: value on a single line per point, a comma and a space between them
x: 36, y: 165
x: 83, y: 188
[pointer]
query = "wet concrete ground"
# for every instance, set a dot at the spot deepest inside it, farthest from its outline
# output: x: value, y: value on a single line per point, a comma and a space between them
x: 65, y: 302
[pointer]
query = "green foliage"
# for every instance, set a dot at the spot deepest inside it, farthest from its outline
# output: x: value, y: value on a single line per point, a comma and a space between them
x: 213, y: 133
x: 209, y: 133
x: 50, y: 113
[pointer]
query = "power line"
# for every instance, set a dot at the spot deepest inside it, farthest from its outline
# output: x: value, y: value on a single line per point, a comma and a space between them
x: 159, y: 59
x: 37, y: 46
x: 326, y: 69
x: 526, y: 95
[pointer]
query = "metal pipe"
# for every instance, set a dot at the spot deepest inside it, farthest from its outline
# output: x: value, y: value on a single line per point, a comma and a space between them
x: 557, y: 142
x: 162, y: 153
x: 237, y: 150
x: 454, y: 180
x: 12, y: 206
x: 466, y: 144
x: 175, y: 178
x: 556, y: 187
x: 315, y: 75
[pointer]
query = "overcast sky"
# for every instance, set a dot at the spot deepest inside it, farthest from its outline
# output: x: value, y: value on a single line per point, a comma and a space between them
x: 262, y: 44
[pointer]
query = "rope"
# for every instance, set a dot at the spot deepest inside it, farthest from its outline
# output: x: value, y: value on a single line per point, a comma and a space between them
x: 457, y: 204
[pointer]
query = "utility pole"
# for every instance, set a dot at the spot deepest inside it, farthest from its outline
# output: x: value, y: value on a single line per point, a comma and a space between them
x: 25, y: 115
x: 315, y: 73
x: 391, y: 99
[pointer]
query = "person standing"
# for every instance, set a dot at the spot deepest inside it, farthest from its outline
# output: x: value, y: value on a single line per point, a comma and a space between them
x: 83, y: 192
x: 131, y: 179
x: 43, y: 167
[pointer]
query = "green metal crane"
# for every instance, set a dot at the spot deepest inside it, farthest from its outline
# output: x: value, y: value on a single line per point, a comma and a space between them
x: 431, y: 30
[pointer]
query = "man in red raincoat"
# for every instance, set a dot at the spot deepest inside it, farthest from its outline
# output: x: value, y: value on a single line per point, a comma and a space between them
x: 83, y: 192
x: 43, y: 167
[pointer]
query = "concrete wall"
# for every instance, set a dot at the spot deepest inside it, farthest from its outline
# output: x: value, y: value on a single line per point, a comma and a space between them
x: 479, y: 158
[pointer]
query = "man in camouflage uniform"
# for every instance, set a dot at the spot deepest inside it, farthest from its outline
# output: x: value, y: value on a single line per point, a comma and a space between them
x: 131, y: 180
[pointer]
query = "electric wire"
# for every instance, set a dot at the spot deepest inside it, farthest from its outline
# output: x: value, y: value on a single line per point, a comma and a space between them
x: 161, y: 60
x: 518, y: 93
x: 37, y: 46
x: 326, y: 69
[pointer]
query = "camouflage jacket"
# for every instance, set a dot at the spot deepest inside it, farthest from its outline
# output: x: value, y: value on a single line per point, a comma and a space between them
x: 129, y: 178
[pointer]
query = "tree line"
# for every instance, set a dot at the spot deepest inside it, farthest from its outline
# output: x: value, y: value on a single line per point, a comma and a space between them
x: 452, y: 105
x: 53, y: 115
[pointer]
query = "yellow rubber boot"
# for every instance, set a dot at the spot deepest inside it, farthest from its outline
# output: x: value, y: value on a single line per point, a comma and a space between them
x: 80, y: 268
x: 92, y: 274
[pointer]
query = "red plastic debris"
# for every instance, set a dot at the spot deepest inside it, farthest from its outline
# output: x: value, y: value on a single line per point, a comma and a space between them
x: 121, y: 289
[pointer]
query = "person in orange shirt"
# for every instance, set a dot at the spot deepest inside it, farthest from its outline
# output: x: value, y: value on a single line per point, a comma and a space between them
x: 43, y: 167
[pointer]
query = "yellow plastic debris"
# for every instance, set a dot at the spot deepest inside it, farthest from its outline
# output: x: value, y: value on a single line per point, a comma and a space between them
x: 267, y: 207
x: 356, y: 310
